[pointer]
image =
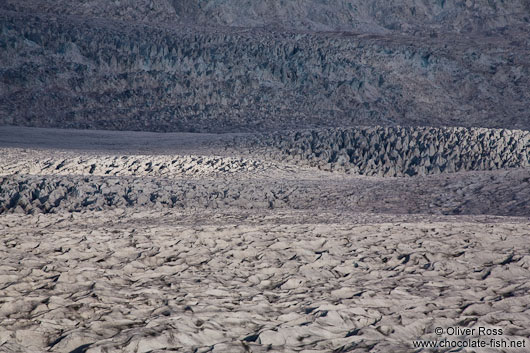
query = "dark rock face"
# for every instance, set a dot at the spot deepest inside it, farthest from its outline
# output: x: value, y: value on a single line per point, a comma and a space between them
x: 395, y: 151
x: 360, y: 15
x: 411, y: 16
x: 147, y: 11
x: 109, y: 66
x: 493, y: 193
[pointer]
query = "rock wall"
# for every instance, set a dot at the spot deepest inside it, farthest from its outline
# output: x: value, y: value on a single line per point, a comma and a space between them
x: 397, y: 151
x: 82, y: 72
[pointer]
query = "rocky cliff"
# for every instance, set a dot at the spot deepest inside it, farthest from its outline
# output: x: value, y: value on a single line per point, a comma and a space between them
x: 114, y: 65
x: 397, y: 151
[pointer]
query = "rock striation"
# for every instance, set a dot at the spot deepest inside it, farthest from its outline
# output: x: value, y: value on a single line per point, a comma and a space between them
x: 169, y: 166
x: 397, y: 151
